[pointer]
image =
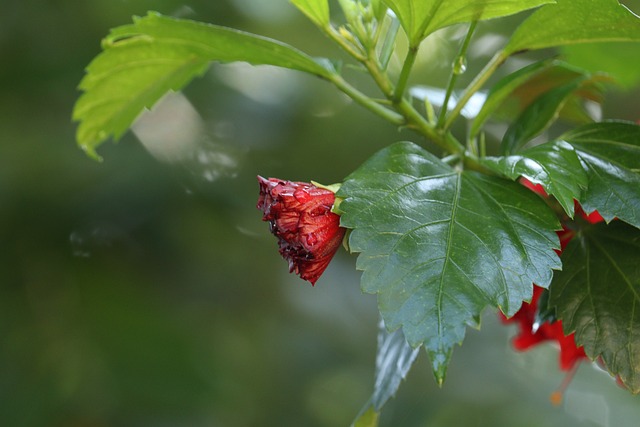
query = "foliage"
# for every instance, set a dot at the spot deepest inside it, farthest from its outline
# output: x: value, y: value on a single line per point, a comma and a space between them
x: 441, y: 238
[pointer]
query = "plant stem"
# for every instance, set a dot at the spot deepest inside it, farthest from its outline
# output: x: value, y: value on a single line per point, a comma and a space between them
x: 475, y: 85
x: 412, y: 118
x: 408, y: 116
x: 456, y: 70
x: 366, y: 101
x: 417, y: 122
x: 409, y: 60
x: 343, y: 43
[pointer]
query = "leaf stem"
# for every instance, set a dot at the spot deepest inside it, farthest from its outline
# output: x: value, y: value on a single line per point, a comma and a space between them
x: 405, y: 114
x: 456, y: 70
x: 409, y: 60
x: 412, y: 118
x: 366, y: 101
x: 346, y: 45
x: 475, y: 85
x: 417, y: 122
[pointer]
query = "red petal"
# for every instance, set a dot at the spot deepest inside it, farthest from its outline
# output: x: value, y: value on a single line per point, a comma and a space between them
x: 299, y: 214
x: 536, y: 188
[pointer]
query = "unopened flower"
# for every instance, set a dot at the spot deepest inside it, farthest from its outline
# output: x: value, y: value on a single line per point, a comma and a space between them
x: 299, y: 215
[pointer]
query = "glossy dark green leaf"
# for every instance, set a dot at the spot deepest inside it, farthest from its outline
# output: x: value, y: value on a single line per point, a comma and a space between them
x: 571, y: 22
x: 555, y: 166
x: 610, y: 154
x: 419, y: 18
x: 316, y: 10
x: 597, y: 295
x: 143, y: 61
x: 539, y: 115
x: 393, y: 360
x: 438, y: 245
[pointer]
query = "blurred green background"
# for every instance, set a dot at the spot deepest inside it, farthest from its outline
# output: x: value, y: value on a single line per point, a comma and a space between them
x: 145, y: 290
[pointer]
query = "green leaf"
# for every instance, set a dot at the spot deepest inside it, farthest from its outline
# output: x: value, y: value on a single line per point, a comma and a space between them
x: 556, y: 74
x: 514, y: 93
x: 438, y: 245
x: 570, y: 22
x: 316, y: 10
x: 379, y: 9
x: 143, y: 61
x: 619, y: 60
x: 393, y: 360
x: 610, y: 154
x: 597, y: 295
x: 502, y: 90
x: 554, y: 165
x: 538, y: 116
x: 420, y: 18
x: 368, y: 419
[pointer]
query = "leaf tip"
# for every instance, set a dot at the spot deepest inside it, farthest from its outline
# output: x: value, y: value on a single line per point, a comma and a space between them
x: 439, y: 364
x: 91, y: 152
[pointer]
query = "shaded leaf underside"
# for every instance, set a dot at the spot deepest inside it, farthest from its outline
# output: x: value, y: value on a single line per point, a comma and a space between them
x: 393, y: 360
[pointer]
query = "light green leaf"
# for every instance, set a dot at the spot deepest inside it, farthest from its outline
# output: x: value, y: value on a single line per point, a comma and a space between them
x: 143, y: 61
x: 420, y: 18
x: 597, y: 296
x: 610, y: 154
x: 571, y: 22
x: 438, y: 245
x: 316, y: 10
x: 554, y: 165
x: 379, y: 9
x: 619, y: 60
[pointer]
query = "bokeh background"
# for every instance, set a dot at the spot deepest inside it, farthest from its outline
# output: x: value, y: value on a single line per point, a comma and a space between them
x: 145, y: 290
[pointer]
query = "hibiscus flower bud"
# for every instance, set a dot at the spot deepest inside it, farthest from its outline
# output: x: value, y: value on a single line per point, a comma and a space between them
x: 299, y: 215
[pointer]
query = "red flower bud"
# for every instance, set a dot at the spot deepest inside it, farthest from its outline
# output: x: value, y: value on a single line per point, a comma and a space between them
x: 300, y: 216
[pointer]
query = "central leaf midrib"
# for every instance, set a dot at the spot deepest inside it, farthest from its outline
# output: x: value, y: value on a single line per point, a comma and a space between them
x: 454, y: 207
